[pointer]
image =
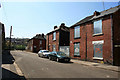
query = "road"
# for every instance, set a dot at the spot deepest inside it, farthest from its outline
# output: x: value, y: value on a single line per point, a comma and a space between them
x: 33, y: 66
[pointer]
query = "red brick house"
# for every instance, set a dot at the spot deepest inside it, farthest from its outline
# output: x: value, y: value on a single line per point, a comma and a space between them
x: 37, y: 43
x: 58, y: 37
x: 97, y: 37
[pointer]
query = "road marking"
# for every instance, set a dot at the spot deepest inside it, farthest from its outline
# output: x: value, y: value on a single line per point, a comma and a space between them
x: 18, y: 69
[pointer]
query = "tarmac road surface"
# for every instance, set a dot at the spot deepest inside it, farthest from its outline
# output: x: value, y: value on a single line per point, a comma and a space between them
x: 33, y: 66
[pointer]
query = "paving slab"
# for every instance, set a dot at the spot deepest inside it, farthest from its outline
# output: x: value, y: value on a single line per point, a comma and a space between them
x: 98, y: 65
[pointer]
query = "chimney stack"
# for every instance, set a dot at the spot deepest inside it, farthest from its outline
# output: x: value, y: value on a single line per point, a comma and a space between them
x: 62, y: 24
x: 96, y: 13
x: 55, y: 27
x: 42, y: 35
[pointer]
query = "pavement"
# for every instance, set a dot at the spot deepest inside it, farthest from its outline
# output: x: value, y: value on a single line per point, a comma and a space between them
x: 97, y: 65
x: 10, y: 70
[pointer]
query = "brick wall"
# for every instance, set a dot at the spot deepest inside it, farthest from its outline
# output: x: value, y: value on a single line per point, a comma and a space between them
x: 51, y: 42
x: 86, y: 38
x: 116, y: 38
x: 36, y: 42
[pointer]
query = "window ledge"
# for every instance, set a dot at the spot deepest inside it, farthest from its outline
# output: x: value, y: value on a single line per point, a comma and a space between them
x: 99, y: 34
x: 54, y: 40
x: 97, y: 58
x: 76, y: 55
x: 77, y: 38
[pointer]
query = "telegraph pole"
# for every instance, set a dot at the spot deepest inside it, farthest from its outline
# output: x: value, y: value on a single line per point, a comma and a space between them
x: 10, y: 37
x: 103, y: 5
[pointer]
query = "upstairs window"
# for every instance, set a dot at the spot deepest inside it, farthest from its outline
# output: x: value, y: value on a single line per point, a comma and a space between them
x: 40, y: 41
x: 98, y: 27
x: 54, y: 36
x: 77, y: 32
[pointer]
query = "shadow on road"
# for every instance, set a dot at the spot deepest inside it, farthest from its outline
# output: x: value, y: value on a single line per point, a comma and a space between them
x: 67, y: 62
x: 8, y: 75
x: 7, y: 58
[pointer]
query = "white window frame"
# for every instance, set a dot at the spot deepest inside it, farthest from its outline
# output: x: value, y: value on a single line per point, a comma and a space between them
x: 76, y: 28
x: 94, y: 27
x: 78, y: 44
x: 54, y: 36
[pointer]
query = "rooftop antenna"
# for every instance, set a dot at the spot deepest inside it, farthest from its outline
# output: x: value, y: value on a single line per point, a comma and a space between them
x: 118, y: 3
x: 103, y: 5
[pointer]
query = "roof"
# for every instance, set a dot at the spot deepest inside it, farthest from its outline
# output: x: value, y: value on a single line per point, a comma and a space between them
x: 92, y: 17
x: 38, y: 36
x: 63, y: 28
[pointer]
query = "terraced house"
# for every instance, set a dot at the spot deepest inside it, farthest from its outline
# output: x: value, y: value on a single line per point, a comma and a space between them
x: 97, y: 37
x: 58, y: 39
x: 37, y: 43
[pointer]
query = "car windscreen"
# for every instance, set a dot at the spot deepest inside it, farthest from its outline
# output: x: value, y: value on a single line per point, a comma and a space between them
x: 61, y: 53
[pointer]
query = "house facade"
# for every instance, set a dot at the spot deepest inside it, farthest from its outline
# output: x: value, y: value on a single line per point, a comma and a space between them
x: 58, y: 37
x: 97, y: 37
x: 37, y: 43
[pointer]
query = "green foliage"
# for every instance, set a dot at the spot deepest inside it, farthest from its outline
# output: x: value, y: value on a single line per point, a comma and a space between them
x: 19, y: 47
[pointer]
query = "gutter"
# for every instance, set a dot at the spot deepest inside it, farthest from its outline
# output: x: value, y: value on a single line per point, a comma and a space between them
x: 111, y: 17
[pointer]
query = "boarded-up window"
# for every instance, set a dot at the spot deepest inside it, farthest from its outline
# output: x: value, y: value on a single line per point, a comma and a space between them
x: 98, y: 27
x: 77, y: 49
x: 77, y: 32
x: 54, y: 36
x: 98, y: 50
x: 54, y: 49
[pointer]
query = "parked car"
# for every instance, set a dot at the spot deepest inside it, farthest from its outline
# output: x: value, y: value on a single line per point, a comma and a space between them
x: 43, y: 53
x: 58, y: 56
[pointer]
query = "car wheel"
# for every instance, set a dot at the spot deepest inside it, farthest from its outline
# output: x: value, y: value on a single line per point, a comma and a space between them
x: 42, y: 55
x: 58, y: 60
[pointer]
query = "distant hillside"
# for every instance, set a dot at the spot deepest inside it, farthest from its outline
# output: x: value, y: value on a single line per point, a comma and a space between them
x: 16, y: 43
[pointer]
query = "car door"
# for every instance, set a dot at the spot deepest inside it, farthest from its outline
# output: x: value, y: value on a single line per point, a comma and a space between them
x: 54, y: 55
x: 40, y: 53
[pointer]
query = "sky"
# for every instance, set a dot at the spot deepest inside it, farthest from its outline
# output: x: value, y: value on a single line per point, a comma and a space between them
x: 31, y: 18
